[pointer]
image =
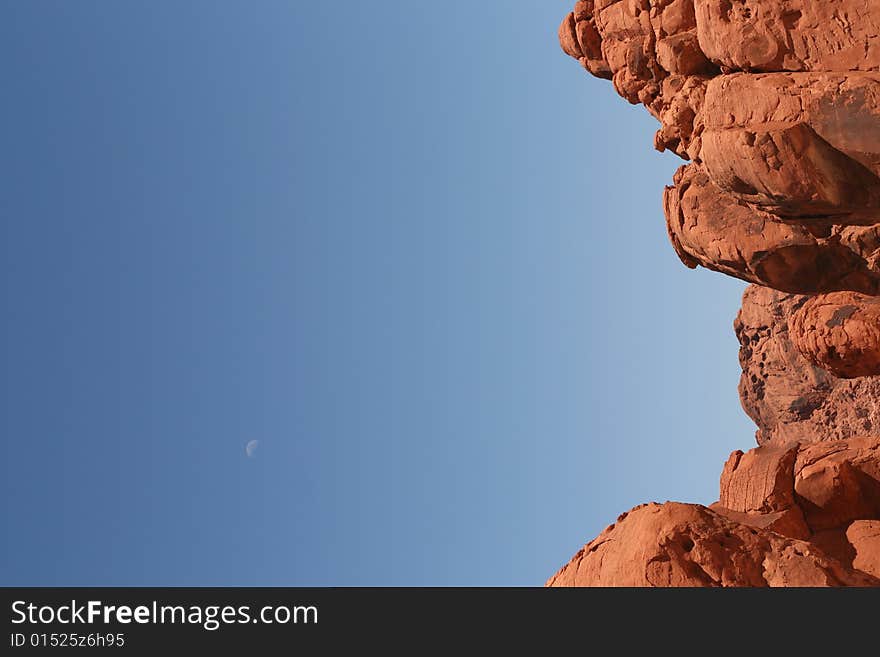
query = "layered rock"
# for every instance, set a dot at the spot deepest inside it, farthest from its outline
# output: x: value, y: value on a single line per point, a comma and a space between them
x: 775, y: 104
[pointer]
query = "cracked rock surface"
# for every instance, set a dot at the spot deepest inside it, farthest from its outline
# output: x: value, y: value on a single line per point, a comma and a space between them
x: 774, y: 105
x: 805, y: 515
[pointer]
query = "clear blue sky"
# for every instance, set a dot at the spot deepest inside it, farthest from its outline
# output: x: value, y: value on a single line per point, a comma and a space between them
x: 415, y: 251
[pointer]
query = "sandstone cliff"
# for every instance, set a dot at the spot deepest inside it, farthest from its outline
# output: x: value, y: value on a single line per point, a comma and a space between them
x: 775, y: 107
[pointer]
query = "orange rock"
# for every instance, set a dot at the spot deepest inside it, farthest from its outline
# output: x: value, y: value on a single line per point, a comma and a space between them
x: 787, y: 522
x: 787, y: 516
x: 760, y: 481
x: 719, y: 231
x: 865, y: 538
x: 675, y: 544
x: 776, y: 106
x: 842, y: 109
x: 836, y: 482
x: 788, y: 397
x: 790, y: 35
x: 757, y: 489
x: 840, y: 333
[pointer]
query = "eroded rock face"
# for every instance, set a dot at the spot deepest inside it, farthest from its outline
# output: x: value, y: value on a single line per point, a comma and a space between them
x: 711, y: 228
x: 790, y: 35
x: 840, y: 333
x: 790, y: 398
x: 787, y: 516
x: 864, y: 536
x: 775, y: 106
x: 676, y: 544
x: 795, y: 144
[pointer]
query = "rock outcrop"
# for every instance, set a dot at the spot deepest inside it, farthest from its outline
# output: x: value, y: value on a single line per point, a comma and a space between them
x: 775, y: 107
x: 789, y: 398
x: 676, y: 544
x: 802, y: 515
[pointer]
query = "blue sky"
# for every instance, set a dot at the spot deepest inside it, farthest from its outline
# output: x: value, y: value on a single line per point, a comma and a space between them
x: 419, y: 255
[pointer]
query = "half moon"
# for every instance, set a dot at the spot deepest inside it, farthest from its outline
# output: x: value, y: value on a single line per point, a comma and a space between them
x: 251, y: 447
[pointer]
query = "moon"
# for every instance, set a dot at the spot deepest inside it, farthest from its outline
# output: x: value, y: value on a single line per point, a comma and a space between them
x: 251, y: 447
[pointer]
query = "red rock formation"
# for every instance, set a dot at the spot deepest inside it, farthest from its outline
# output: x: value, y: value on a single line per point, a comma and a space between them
x: 787, y: 516
x: 711, y: 228
x: 839, y: 332
x: 864, y: 535
x: 789, y: 398
x: 776, y: 106
x: 676, y: 544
